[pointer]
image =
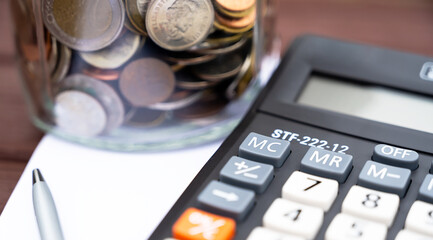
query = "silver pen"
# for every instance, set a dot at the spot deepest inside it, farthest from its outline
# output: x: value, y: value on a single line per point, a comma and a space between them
x: 45, y: 209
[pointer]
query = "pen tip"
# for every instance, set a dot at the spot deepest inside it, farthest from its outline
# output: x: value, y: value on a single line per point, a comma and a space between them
x: 37, y: 176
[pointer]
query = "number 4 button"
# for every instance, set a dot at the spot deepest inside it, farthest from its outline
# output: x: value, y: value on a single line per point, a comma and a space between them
x: 311, y: 190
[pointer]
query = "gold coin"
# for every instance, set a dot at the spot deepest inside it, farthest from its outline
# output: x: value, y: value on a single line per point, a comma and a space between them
x: 85, y: 25
x: 233, y: 14
x: 237, y: 22
x: 236, y: 5
x: 136, y: 11
x: 179, y: 24
x: 233, y: 30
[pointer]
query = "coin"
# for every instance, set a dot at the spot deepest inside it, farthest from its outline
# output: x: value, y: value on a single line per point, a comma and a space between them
x: 136, y: 11
x: 178, y: 100
x: 143, y: 117
x: 179, y: 24
x: 102, y: 74
x: 63, y: 63
x: 186, y: 58
x: 237, y: 22
x: 233, y: 30
x: 186, y: 80
x: 224, y: 49
x: 223, y: 67
x: 103, y: 92
x: 228, y: 13
x: 114, y: 55
x: 236, y: 6
x: 85, y: 25
x: 79, y: 113
x: 235, y: 86
x: 146, y: 81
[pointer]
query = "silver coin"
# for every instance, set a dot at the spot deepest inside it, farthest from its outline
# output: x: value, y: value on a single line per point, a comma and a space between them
x: 186, y: 99
x: 85, y: 25
x: 101, y: 91
x: 231, y: 89
x: 63, y: 63
x: 116, y: 54
x: 179, y: 24
x: 80, y: 114
x: 223, y: 67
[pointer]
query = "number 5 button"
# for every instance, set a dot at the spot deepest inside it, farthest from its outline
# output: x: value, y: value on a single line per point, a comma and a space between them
x: 310, y: 190
x: 372, y: 205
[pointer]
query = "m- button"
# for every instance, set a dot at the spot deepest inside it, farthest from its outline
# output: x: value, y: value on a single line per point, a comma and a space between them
x: 385, y: 178
x: 395, y: 156
x: 327, y: 164
x: 264, y: 149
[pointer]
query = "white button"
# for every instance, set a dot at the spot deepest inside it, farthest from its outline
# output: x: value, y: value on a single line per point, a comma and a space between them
x: 371, y: 205
x: 409, y: 235
x: 310, y: 190
x: 420, y: 218
x: 346, y: 227
x: 261, y: 233
x: 293, y: 218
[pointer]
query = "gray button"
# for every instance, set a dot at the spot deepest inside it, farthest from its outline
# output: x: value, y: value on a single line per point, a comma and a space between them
x: 265, y: 149
x: 426, y: 189
x: 385, y: 178
x: 227, y: 200
x: 248, y: 174
x: 327, y: 164
x: 395, y: 156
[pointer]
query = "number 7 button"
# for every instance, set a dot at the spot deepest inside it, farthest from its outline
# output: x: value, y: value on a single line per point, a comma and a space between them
x: 311, y: 190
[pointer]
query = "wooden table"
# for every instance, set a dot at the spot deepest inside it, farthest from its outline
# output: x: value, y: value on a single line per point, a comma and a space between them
x: 405, y: 25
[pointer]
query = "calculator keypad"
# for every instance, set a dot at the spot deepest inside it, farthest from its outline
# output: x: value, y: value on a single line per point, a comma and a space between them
x: 309, y: 189
x: 367, y: 211
x: 293, y: 218
x: 371, y: 205
x: 347, y: 227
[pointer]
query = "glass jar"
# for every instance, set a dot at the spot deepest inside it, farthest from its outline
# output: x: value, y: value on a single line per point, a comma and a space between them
x: 142, y: 74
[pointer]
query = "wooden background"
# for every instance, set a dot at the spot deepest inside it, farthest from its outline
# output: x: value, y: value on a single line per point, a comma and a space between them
x: 405, y: 25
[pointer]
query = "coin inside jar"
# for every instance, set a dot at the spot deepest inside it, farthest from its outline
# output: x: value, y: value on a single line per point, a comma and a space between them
x: 236, y: 6
x: 114, y: 55
x: 179, y: 24
x: 146, y: 81
x: 85, y: 25
x: 136, y: 11
x: 79, y: 113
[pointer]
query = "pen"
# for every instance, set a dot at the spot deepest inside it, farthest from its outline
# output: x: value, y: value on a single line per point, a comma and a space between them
x: 45, y: 209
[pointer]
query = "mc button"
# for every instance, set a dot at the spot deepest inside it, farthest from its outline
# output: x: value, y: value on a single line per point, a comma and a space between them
x: 264, y: 149
x: 327, y: 164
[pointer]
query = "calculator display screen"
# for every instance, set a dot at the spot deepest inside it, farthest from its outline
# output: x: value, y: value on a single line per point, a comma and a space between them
x: 371, y: 102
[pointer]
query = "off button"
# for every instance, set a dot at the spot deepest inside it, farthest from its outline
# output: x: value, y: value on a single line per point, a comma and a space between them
x: 395, y: 156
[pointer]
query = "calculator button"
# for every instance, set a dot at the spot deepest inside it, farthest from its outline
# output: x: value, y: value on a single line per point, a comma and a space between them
x: 248, y: 174
x: 227, y: 200
x: 344, y: 227
x: 293, y: 218
x: 385, y: 178
x: 426, y: 189
x: 265, y: 149
x: 395, y: 156
x: 327, y: 164
x: 261, y: 233
x: 196, y: 224
x: 420, y: 218
x: 409, y: 235
x: 311, y: 190
x: 372, y: 205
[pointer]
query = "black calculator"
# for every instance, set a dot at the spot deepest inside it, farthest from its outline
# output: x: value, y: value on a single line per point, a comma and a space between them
x: 339, y: 145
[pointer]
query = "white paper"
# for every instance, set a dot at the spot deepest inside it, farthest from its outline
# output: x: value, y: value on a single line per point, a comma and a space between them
x: 102, y: 194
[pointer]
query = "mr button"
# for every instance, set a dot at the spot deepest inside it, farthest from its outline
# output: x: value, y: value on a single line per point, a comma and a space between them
x: 264, y: 149
x: 395, y: 156
x: 327, y: 164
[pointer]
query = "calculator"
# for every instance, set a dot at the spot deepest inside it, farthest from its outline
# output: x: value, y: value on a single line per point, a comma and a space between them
x: 338, y: 145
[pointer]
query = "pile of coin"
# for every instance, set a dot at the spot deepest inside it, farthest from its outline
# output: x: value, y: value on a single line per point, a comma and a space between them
x: 141, y: 63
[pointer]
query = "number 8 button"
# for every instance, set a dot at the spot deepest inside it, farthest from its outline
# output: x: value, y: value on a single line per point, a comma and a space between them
x: 372, y: 205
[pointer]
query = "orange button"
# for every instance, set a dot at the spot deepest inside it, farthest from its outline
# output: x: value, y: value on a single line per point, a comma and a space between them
x: 195, y: 224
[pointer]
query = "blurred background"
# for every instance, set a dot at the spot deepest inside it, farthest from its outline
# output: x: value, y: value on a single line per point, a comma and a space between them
x: 405, y: 25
